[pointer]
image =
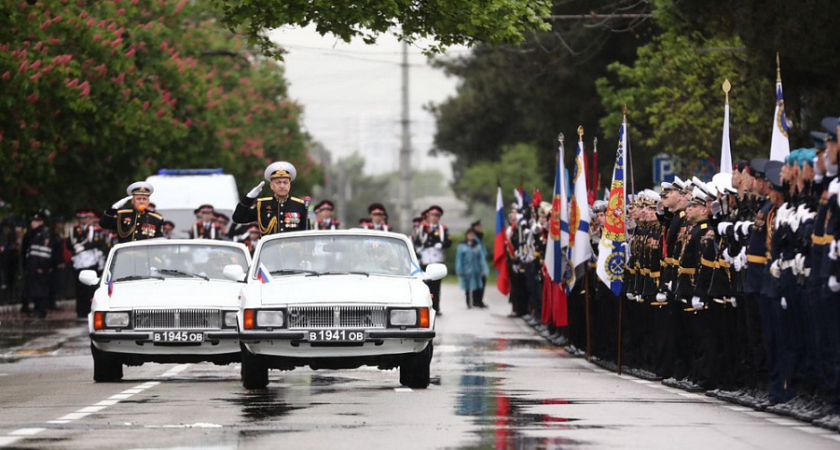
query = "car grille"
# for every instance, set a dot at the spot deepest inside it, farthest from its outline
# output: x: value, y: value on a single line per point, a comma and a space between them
x: 181, y: 319
x: 313, y: 317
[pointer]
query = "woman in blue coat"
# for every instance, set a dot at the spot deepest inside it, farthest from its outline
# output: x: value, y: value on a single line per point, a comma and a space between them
x: 471, y: 266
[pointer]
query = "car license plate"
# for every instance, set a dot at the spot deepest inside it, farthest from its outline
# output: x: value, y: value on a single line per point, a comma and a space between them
x: 185, y: 337
x: 336, y: 336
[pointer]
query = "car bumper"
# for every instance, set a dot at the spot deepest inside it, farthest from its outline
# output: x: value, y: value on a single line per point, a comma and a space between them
x: 295, y: 343
x: 215, y: 342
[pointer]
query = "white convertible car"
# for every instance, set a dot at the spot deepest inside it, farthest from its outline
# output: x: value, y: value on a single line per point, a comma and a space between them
x: 165, y: 301
x: 336, y: 300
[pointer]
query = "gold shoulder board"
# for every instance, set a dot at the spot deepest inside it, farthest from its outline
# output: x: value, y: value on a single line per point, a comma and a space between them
x: 297, y: 199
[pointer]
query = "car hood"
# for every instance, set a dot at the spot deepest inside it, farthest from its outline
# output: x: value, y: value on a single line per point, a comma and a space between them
x: 337, y: 288
x: 175, y: 293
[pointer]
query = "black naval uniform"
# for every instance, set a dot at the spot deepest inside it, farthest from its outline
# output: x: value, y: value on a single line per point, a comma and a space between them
x: 272, y: 215
x: 132, y: 225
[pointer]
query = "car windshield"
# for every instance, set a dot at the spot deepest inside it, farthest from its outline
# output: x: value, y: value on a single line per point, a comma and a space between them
x: 339, y: 254
x: 175, y: 261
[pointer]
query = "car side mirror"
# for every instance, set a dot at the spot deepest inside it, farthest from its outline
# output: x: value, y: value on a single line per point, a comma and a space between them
x: 234, y: 272
x: 435, y: 272
x: 88, y: 277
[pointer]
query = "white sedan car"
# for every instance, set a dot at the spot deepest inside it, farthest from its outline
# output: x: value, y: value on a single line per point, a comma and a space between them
x: 336, y: 300
x: 165, y: 301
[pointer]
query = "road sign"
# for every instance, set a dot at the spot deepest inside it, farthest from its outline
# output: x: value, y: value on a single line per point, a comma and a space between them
x: 663, y: 169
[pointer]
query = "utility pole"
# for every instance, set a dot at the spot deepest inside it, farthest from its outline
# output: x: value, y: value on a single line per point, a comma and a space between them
x: 405, y: 204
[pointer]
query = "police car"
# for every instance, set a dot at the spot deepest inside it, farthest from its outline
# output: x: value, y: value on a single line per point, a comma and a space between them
x: 336, y: 300
x: 164, y: 301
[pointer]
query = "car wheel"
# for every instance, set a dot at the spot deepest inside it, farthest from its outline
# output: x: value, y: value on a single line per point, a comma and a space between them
x: 254, y: 371
x: 415, y: 369
x: 106, y: 367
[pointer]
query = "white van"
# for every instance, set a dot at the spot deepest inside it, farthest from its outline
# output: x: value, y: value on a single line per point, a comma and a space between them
x: 178, y: 192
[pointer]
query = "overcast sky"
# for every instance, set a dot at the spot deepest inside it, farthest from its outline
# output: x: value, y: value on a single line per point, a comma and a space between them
x: 351, y: 96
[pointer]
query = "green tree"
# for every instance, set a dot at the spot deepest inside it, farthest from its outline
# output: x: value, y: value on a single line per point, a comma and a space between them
x: 675, y: 101
x: 98, y: 94
x: 803, y: 33
x: 449, y: 22
x: 530, y: 92
x: 518, y: 163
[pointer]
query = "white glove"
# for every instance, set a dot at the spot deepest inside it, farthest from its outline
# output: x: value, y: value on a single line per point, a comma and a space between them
x: 798, y: 264
x: 78, y: 248
x: 630, y: 296
x: 723, y: 227
x: 738, y: 263
x: 806, y: 272
x: 661, y: 297
x: 832, y: 251
x: 733, y: 301
x: 438, y: 246
x: 256, y: 191
x: 784, y: 303
x: 726, y: 256
x: 670, y: 283
x: 696, y: 303
x: 120, y: 203
x: 834, y: 186
x: 745, y: 228
x: 833, y: 284
x: 775, y: 269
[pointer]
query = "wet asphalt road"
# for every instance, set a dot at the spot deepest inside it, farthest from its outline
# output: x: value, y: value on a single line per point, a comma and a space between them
x: 496, y: 385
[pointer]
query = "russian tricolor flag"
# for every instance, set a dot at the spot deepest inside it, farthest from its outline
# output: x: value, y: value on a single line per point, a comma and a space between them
x: 499, y: 254
x: 263, y: 275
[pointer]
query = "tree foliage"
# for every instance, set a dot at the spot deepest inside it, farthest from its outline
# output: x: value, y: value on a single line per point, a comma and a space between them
x: 531, y: 92
x: 518, y: 163
x: 98, y: 94
x: 449, y: 22
x: 676, y: 103
x: 803, y: 33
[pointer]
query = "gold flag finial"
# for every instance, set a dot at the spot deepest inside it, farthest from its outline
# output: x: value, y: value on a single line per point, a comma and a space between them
x: 595, y: 144
x: 778, y: 69
x: 580, y: 132
x: 726, y: 88
x: 560, y: 138
x: 624, y: 112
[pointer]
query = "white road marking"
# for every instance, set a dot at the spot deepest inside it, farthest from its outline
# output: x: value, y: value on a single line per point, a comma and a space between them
x: 8, y: 440
x: 4, y: 374
x: 26, y: 431
x: 120, y: 396
x: 92, y: 409
x: 133, y: 391
x: 640, y: 381
x: 176, y: 370
x: 74, y: 416
x: 107, y: 403
x: 784, y: 422
x: 59, y: 421
x: 403, y: 390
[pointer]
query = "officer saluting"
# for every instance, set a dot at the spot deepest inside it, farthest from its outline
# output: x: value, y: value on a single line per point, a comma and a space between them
x: 134, y: 223
x: 276, y: 214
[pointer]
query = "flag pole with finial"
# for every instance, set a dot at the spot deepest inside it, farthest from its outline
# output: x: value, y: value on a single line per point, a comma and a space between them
x: 725, y: 162
x: 779, y: 141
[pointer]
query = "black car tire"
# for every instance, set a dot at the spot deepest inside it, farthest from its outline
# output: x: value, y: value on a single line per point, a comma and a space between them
x: 106, y: 367
x: 254, y: 371
x: 415, y: 370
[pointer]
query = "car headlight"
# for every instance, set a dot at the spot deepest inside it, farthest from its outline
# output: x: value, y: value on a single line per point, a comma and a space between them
x: 269, y: 318
x: 404, y: 317
x: 230, y: 319
x: 116, y: 319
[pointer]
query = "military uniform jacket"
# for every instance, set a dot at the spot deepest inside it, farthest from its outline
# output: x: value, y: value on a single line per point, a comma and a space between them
x: 652, y: 258
x: 272, y: 215
x: 327, y: 224
x: 757, y: 249
x: 132, y: 225
x: 696, y: 262
x: 94, y: 246
x: 427, y: 239
x: 211, y: 230
x: 671, y: 249
x: 377, y: 227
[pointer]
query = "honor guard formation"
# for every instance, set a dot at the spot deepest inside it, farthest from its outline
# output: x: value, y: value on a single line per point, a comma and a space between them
x: 728, y: 285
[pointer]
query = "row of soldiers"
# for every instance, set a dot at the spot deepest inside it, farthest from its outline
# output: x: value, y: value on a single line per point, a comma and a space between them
x: 731, y: 286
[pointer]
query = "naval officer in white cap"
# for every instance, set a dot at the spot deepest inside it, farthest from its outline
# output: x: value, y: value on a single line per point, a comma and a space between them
x: 133, y: 222
x: 279, y: 213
